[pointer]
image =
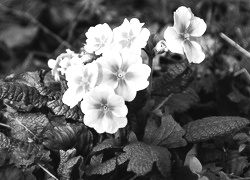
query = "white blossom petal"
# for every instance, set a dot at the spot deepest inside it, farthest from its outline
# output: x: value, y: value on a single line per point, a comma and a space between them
x: 94, y: 119
x: 173, y: 40
x: 127, y: 92
x: 117, y: 105
x: 193, y: 51
x: 182, y: 18
x: 72, y: 96
x: 137, y: 76
x: 51, y: 63
x: 197, y: 27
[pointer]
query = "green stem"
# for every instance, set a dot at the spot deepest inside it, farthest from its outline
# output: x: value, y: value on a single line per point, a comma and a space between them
x: 150, y: 63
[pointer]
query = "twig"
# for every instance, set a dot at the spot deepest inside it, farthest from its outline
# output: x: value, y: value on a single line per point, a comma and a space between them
x: 162, y: 103
x: 49, y: 173
x: 5, y: 125
x: 36, y: 22
x: 234, y: 44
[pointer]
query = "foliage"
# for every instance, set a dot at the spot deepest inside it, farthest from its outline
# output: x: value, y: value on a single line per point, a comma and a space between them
x: 180, y: 105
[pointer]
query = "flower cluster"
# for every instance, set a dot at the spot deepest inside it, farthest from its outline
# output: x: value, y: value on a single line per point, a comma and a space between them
x: 110, y: 70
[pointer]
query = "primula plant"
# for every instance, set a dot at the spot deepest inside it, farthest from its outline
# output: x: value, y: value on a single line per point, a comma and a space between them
x: 106, y: 112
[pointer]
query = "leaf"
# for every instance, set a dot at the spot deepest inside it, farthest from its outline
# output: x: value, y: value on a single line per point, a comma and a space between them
x: 174, y: 80
x: 11, y: 172
x: 236, y: 165
x: 68, y: 163
x: 25, y: 126
x: 180, y: 102
x: 107, y: 166
x: 142, y: 157
x: 27, y: 154
x: 211, y: 127
x: 21, y: 95
x: 4, y: 141
x: 168, y: 134
x: 106, y: 144
x: 58, y: 108
x: 67, y: 136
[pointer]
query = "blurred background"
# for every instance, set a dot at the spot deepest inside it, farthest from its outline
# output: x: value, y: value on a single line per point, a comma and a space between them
x: 33, y: 31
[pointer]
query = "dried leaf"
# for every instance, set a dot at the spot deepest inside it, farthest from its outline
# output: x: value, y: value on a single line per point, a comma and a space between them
x: 168, y: 134
x: 68, y: 162
x: 174, y: 80
x: 211, y: 127
x: 21, y: 95
x: 142, y: 157
x: 107, y: 166
x: 27, y: 126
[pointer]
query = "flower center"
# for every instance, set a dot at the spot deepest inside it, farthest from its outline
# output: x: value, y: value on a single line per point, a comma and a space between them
x: 186, y: 36
x: 120, y: 74
x: 105, y: 107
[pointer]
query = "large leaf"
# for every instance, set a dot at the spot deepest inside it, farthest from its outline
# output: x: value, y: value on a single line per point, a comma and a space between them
x: 21, y: 95
x: 211, y: 127
x: 142, y: 157
x: 168, y: 134
x: 179, y: 102
x: 26, y: 126
x: 58, y: 108
x: 68, y: 135
x: 68, y: 163
x: 174, y: 80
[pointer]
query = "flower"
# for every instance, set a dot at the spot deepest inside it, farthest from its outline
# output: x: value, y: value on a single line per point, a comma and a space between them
x: 81, y: 78
x: 63, y: 61
x: 131, y: 35
x: 104, y: 110
x: 98, y: 38
x: 124, y: 72
x: 182, y: 36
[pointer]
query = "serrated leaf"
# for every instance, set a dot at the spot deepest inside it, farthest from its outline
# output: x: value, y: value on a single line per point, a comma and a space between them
x: 27, y: 126
x: 168, y: 134
x: 107, y: 166
x: 35, y: 79
x: 142, y: 157
x: 211, y: 127
x: 106, y: 144
x: 68, y: 162
x: 21, y: 95
x: 174, y: 80
x: 66, y: 136
x: 58, y: 108
x: 179, y: 102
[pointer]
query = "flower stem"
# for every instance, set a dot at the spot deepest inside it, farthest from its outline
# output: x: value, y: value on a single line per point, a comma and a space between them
x: 150, y: 63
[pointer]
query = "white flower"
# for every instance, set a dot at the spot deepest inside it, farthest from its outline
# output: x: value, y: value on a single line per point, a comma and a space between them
x: 63, y: 61
x: 104, y: 110
x: 125, y: 73
x: 131, y: 35
x: 98, y: 38
x: 81, y: 79
x: 181, y: 37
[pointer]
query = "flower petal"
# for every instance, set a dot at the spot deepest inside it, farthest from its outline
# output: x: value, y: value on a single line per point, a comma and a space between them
x: 197, y: 27
x: 126, y: 91
x: 173, y: 40
x: 51, y: 63
x: 193, y: 51
x: 72, y: 96
x: 109, y: 78
x: 137, y: 76
x: 117, y: 105
x: 94, y: 119
x: 182, y: 18
x: 112, y: 123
